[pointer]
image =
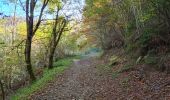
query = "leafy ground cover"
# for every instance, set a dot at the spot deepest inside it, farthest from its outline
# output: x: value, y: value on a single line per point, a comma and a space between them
x: 48, y: 75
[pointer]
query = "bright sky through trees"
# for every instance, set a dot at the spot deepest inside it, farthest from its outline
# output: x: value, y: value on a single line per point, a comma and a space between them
x: 8, y: 8
x: 72, y: 7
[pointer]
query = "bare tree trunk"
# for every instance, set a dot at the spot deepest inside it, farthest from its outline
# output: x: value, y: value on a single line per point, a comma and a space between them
x: 51, y: 56
x: 29, y: 23
x: 28, y: 58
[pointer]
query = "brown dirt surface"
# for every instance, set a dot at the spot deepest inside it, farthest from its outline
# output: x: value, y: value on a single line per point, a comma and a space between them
x: 87, y: 80
x: 81, y: 82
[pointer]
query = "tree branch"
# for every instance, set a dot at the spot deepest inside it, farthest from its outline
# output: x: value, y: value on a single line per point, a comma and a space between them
x: 40, y: 16
x: 22, y: 5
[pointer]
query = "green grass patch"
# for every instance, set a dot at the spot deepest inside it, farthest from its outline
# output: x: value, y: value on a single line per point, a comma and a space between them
x: 48, y: 76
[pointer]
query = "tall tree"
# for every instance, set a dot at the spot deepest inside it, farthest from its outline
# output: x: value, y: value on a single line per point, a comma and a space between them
x: 31, y: 30
x: 58, y: 27
x: 57, y: 30
x: 56, y: 36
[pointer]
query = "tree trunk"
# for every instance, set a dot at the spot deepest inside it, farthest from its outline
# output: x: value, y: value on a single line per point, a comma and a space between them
x: 55, y: 41
x: 2, y: 89
x: 28, y: 58
x: 31, y: 30
x: 51, y: 56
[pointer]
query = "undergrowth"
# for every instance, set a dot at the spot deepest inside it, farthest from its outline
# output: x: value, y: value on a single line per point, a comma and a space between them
x: 106, y: 68
x: 48, y: 75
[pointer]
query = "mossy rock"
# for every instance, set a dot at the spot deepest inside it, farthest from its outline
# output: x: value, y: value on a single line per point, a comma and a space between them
x: 151, y: 60
x: 114, y: 60
x: 126, y: 68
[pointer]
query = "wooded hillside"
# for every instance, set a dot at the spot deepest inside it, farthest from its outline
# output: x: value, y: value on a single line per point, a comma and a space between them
x: 123, y: 42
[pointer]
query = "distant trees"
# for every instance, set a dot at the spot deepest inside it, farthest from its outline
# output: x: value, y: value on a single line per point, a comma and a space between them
x: 140, y: 26
x: 131, y: 20
x: 101, y: 19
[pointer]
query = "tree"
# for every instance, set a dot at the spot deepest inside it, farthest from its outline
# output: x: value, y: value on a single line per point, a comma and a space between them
x: 31, y: 30
x: 58, y: 26
x: 143, y: 25
x: 56, y: 36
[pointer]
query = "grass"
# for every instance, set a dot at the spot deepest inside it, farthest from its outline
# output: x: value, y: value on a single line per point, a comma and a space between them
x: 48, y: 75
x: 66, y: 61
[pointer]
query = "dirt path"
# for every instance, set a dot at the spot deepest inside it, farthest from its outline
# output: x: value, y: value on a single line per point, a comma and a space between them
x: 81, y: 82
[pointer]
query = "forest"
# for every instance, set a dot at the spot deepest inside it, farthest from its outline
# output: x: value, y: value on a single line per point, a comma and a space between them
x: 84, y: 50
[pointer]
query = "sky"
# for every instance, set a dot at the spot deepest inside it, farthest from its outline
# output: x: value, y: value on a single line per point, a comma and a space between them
x: 75, y: 8
x: 8, y: 8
